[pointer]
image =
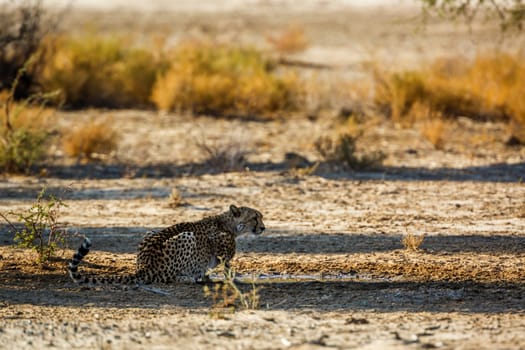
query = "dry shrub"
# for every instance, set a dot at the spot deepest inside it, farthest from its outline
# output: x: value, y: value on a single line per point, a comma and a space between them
x: 224, y: 80
x: 490, y: 87
x: 521, y: 211
x: 227, y: 297
x: 291, y: 40
x: 225, y: 156
x: 23, y: 144
x: 342, y: 151
x: 175, y: 199
x: 434, y: 130
x: 90, y: 141
x: 328, y: 92
x: 92, y: 71
x: 23, y: 129
x: 24, y: 24
x: 412, y: 242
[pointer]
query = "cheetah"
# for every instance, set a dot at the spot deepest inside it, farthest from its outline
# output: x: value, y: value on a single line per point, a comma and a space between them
x: 184, y: 252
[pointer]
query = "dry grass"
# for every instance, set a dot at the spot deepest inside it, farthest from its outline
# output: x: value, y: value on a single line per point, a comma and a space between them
x: 94, y: 71
x: 490, y: 87
x: 434, y: 130
x: 224, y: 156
x: 225, y: 80
x: 227, y: 297
x: 24, y: 130
x: 201, y: 78
x: 341, y: 152
x: 91, y: 141
x: 291, y: 40
x: 175, y: 199
x: 412, y: 242
x: 521, y: 211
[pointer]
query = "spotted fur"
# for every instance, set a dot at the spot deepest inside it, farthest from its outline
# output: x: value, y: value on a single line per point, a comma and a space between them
x: 183, y: 252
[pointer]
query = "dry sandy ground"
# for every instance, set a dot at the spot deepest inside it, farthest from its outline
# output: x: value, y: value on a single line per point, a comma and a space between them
x: 332, y: 269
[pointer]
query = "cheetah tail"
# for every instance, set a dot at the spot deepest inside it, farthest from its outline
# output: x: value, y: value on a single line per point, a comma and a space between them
x: 93, y: 280
x: 77, y: 258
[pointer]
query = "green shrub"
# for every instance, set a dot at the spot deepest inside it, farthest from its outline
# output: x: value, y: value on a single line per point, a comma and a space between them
x: 22, y: 148
x: 41, y: 228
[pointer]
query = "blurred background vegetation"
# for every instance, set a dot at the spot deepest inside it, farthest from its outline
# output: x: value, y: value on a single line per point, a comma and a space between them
x: 45, y: 65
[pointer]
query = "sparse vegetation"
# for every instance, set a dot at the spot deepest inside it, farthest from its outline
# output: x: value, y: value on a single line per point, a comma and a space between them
x: 510, y: 14
x: 42, y: 230
x: 434, y: 130
x: 412, y: 242
x: 224, y: 156
x: 95, y: 71
x: 175, y: 199
x: 93, y: 140
x: 24, y: 26
x: 291, y: 40
x: 488, y: 88
x: 342, y: 151
x: 227, y: 297
x: 23, y: 133
x: 225, y: 80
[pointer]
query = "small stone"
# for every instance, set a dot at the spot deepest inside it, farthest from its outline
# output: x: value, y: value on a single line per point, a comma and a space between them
x: 286, y: 342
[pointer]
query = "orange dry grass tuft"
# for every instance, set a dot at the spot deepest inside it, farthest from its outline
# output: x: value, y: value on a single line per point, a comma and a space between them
x: 434, y: 131
x: 490, y: 87
x: 224, y: 80
x: 293, y: 39
x: 24, y: 133
x: 95, y: 71
x: 412, y: 242
x: 93, y: 140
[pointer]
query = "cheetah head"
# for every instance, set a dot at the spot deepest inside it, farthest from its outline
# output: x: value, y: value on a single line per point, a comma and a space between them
x: 246, y: 220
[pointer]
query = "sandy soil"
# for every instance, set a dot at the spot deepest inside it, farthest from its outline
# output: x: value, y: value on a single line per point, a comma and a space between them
x: 332, y: 269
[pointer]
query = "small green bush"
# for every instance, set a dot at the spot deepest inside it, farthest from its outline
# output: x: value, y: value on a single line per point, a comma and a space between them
x: 42, y: 230
x: 22, y: 148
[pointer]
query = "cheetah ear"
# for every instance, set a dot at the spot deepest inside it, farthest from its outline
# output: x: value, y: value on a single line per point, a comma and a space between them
x: 235, y: 211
